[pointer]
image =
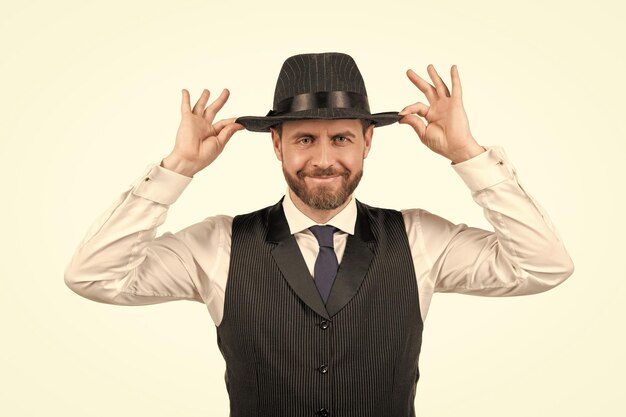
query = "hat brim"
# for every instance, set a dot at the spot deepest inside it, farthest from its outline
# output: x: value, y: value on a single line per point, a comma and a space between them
x: 263, y: 123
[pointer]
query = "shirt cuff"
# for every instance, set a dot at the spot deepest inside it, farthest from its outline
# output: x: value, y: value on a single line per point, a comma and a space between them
x: 486, y: 169
x: 161, y: 185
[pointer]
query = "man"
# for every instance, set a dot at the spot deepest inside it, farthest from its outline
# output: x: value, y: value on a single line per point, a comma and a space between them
x: 319, y: 300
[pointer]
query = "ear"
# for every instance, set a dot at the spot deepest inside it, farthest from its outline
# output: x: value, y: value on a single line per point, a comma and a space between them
x: 277, y: 143
x: 369, y: 134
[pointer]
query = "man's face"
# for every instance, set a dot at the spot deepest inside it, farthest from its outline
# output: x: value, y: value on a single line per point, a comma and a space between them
x: 323, y: 159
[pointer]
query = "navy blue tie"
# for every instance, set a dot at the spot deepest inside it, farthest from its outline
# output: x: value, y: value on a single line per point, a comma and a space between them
x: 326, y: 264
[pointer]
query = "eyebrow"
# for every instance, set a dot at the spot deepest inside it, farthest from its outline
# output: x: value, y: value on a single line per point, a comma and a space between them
x: 345, y: 133
x: 302, y: 133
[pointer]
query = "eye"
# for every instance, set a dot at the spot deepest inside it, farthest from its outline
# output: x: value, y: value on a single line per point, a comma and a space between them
x: 340, y: 139
x: 305, y: 140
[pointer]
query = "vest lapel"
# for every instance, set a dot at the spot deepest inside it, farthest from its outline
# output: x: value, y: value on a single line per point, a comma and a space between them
x: 352, y: 270
x: 289, y: 259
x: 354, y: 264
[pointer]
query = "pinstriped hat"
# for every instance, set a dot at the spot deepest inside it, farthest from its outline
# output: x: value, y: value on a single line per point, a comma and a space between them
x: 318, y: 86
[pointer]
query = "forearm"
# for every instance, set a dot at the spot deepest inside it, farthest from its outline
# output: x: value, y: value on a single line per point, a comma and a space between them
x: 120, y: 250
x: 523, y: 255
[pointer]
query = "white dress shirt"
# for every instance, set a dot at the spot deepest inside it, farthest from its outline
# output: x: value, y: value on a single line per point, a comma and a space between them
x: 121, y: 261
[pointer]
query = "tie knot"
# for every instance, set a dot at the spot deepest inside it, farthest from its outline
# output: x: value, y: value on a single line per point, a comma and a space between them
x: 324, y: 235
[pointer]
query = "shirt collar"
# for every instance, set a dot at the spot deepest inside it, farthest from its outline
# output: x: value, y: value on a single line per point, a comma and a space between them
x: 345, y: 220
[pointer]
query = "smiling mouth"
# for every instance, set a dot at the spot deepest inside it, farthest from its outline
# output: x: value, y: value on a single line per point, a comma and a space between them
x: 323, y: 177
x: 323, y: 173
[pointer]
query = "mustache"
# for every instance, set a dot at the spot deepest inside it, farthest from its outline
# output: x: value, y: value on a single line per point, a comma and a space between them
x: 323, y: 172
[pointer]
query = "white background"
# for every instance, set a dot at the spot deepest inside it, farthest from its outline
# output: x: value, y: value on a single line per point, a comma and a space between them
x: 90, y: 94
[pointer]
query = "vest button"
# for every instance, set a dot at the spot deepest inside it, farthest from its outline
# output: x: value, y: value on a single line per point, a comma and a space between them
x: 324, y: 324
x: 323, y: 412
x: 323, y: 369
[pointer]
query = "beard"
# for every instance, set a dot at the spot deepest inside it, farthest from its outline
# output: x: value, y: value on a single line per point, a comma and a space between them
x: 323, y: 197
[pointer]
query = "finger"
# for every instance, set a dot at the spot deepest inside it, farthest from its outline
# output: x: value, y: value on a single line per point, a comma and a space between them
x: 185, y: 105
x: 442, y: 89
x: 223, y: 123
x: 457, y: 91
x: 227, y: 132
x: 204, y: 97
x: 418, y: 108
x: 428, y: 90
x: 216, y: 106
x: 416, y: 123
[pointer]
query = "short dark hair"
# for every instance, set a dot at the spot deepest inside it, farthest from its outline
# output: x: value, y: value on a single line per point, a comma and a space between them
x: 364, y: 122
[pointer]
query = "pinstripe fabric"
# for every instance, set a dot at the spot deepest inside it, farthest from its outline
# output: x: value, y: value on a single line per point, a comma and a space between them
x: 315, y: 73
x: 284, y: 359
x: 308, y: 73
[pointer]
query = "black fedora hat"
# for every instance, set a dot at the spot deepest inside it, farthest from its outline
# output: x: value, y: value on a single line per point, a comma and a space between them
x: 318, y: 86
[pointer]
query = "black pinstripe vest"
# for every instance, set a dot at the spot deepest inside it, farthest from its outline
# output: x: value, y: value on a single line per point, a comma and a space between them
x: 289, y: 355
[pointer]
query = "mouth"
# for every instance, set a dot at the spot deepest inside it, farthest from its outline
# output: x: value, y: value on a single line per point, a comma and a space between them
x: 322, y: 178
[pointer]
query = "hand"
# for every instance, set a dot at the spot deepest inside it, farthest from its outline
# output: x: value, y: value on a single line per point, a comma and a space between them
x: 447, y: 129
x: 198, y: 140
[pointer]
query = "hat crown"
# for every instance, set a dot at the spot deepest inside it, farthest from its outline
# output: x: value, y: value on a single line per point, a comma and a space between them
x: 313, y: 73
x: 326, y: 86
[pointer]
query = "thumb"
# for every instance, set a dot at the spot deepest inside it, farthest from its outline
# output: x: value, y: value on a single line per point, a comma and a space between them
x: 228, y: 131
x: 416, y: 123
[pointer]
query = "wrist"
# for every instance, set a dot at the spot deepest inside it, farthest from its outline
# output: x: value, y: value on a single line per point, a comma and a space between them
x: 465, y: 153
x: 178, y: 165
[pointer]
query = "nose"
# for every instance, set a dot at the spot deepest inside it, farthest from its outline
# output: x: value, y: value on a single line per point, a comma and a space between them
x: 324, y: 156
